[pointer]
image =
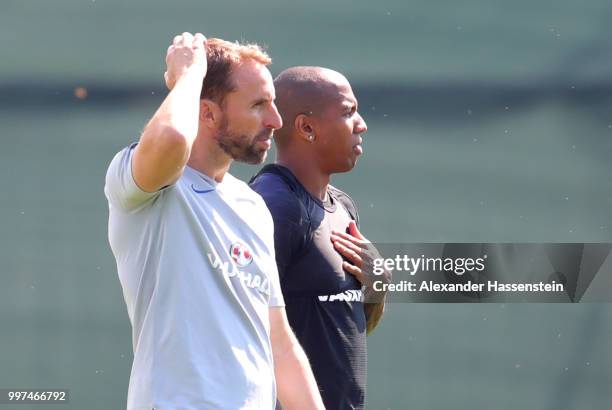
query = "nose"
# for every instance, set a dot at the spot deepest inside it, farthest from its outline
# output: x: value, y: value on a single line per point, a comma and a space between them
x: 273, y: 119
x: 360, y: 125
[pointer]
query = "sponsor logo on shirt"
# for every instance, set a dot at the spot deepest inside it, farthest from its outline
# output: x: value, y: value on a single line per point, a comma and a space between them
x: 346, y: 296
x: 240, y: 259
x: 241, y: 254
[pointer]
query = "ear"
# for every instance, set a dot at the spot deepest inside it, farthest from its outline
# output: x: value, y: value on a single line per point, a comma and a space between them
x: 210, y: 113
x: 304, y: 125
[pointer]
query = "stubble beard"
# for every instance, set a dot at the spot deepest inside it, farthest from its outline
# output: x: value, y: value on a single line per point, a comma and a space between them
x: 240, y: 147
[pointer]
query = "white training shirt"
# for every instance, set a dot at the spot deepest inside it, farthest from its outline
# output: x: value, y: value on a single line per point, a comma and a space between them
x: 197, y: 267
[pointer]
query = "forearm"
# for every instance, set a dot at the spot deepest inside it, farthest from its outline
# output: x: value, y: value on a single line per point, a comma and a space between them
x: 296, y: 385
x: 374, y: 303
x: 165, y: 144
x: 373, y: 313
x: 180, y: 111
x: 174, y: 126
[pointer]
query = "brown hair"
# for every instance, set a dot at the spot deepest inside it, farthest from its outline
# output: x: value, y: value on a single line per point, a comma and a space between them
x: 222, y: 56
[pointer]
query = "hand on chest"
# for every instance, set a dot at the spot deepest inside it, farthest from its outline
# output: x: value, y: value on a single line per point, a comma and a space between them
x: 322, y: 261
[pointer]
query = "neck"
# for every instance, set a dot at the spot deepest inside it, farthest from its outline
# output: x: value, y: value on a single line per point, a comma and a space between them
x: 312, y: 178
x: 207, y: 158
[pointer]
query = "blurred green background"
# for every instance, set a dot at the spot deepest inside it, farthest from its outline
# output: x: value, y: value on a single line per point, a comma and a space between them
x: 489, y: 121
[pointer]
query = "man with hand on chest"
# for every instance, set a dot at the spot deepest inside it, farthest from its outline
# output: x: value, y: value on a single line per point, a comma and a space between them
x: 323, y: 260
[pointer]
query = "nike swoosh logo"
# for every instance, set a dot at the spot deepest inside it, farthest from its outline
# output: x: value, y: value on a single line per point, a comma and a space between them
x: 201, y: 191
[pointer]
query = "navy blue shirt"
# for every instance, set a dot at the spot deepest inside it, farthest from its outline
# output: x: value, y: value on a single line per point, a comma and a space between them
x: 322, y: 300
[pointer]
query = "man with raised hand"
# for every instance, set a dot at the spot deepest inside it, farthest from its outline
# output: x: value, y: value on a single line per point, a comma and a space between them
x: 324, y: 262
x: 194, y: 245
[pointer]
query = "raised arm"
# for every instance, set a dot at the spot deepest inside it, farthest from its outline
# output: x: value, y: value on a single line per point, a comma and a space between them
x: 295, y: 383
x: 165, y: 144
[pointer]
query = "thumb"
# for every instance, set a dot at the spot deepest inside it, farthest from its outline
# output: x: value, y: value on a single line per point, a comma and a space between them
x: 353, y: 230
x: 167, y: 80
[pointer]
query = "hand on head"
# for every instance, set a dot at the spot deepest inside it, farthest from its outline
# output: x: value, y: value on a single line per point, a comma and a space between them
x: 186, y: 54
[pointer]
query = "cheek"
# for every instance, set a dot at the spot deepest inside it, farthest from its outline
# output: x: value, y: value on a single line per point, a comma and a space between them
x: 347, y: 132
x: 339, y: 130
x: 256, y: 117
x: 347, y: 127
x: 247, y: 122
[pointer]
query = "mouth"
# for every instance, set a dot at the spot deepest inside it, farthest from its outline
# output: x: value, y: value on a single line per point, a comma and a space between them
x: 357, y: 148
x: 264, y: 138
x: 267, y: 143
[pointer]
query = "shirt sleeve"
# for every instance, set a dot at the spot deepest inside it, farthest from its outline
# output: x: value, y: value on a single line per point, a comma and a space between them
x: 120, y: 189
x: 288, y: 242
x: 276, y: 294
x: 268, y: 253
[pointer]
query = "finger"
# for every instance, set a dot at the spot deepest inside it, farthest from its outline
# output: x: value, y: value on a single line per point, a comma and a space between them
x: 346, y: 243
x: 187, y: 39
x: 353, y: 270
x: 177, y: 40
x: 351, y: 238
x: 198, y: 40
x: 353, y: 230
x: 349, y: 254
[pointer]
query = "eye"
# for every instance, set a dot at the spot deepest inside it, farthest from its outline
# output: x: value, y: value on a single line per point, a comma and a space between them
x: 350, y: 112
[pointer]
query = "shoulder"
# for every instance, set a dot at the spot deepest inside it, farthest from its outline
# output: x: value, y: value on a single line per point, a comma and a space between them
x: 280, y: 197
x: 121, y: 158
x: 341, y: 195
x: 241, y: 190
x: 345, y: 199
x: 238, y: 186
x: 120, y: 188
x: 271, y: 184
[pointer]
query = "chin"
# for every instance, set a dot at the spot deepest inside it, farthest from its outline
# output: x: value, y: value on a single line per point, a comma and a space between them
x: 346, y: 167
x: 251, y: 157
x: 260, y: 159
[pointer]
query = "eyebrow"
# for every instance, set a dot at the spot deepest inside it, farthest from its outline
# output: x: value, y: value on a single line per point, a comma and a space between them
x: 263, y: 100
x: 350, y: 104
